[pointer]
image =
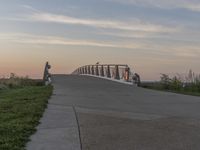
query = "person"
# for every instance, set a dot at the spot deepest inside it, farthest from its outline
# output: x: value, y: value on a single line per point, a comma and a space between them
x: 136, y: 79
x: 47, y: 75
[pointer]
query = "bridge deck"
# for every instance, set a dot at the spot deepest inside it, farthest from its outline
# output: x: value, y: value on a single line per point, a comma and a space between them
x: 114, y: 116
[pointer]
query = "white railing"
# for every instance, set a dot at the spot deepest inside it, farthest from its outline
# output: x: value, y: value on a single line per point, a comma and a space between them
x: 115, y: 71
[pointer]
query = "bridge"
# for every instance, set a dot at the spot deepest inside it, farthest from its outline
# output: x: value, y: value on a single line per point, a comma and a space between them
x: 118, y: 72
x: 87, y: 112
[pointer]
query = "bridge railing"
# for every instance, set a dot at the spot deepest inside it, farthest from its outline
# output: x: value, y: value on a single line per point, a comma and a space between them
x: 115, y: 71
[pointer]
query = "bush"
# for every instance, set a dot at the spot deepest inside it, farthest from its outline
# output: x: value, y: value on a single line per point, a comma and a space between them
x: 176, y: 84
x: 187, y: 85
x: 191, y: 83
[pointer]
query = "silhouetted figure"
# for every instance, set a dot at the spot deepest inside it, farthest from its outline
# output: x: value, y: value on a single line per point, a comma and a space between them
x: 136, y: 79
x: 47, y: 75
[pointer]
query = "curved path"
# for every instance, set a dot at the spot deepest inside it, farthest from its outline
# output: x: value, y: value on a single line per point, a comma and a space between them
x: 95, y: 114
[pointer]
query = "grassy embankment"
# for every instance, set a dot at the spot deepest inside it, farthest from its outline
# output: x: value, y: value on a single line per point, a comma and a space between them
x: 189, y: 90
x: 189, y: 85
x: 22, y: 103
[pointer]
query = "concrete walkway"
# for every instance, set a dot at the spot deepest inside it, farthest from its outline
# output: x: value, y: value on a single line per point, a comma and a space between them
x: 58, y: 130
x: 87, y: 113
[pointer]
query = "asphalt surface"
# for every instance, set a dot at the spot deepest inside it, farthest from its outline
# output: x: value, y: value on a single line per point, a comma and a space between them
x: 87, y: 113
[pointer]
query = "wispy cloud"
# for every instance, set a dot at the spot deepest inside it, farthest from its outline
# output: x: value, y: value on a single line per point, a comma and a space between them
x: 175, y: 50
x: 192, y: 5
x: 136, y: 25
x: 28, y: 7
x: 131, y: 28
x: 55, y: 40
x: 132, y: 35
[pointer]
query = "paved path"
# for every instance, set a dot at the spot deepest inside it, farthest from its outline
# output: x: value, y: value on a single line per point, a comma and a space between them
x: 95, y: 114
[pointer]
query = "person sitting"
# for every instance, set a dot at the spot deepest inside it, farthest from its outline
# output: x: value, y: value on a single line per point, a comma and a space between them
x: 136, y: 79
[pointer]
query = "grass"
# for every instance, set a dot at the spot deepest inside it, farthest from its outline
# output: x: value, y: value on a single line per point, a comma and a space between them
x: 20, y: 111
x: 17, y: 82
x: 188, y: 85
x: 189, y: 90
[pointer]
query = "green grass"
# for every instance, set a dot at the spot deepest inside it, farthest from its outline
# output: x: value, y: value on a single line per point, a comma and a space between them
x: 189, y: 93
x: 158, y: 86
x: 18, y: 82
x: 20, y: 111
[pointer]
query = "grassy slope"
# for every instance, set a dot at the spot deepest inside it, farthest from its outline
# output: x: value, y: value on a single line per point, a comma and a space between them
x: 20, y: 111
x: 157, y: 86
x: 176, y: 91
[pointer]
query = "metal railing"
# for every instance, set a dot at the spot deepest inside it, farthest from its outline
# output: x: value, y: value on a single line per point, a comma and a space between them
x: 115, y: 71
x: 47, y: 75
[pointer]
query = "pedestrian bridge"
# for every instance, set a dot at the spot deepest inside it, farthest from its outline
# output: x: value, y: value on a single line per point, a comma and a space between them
x: 89, y: 113
x: 118, y: 72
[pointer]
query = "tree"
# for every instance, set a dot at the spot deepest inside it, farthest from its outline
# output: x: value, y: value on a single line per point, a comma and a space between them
x: 165, y: 81
x: 176, y: 83
x: 190, y: 77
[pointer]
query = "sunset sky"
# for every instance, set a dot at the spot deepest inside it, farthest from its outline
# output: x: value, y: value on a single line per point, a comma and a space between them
x: 151, y: 36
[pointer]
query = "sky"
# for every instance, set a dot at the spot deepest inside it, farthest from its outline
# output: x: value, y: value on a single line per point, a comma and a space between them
x: 151, y: 36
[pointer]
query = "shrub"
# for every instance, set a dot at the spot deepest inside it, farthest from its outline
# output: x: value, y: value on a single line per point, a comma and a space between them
x: 175, y: 84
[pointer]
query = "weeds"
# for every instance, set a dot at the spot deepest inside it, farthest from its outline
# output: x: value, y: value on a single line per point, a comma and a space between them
x: 189, y: 84
x: 15, y: 81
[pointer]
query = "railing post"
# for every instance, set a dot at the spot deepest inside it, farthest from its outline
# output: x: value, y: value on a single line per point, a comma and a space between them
x: 117, y: 72
x: 86, y: 71
x: 127, y: 73
x: 83, y: 70
x: 80, y: 70
x: 108, y: 71
x: 102, y: 71
x: 97, y: 70
x: 92, y: 70
x: 47, y: 76
x: 89, y: 70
